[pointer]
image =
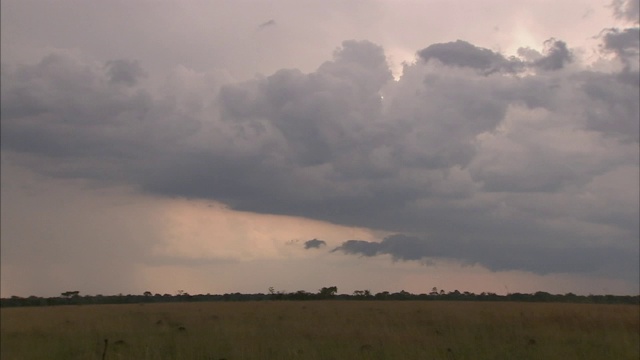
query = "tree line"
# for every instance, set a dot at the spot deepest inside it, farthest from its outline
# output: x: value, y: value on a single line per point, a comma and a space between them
x: 325, y: 293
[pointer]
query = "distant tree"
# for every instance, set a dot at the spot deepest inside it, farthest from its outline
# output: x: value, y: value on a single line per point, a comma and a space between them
x: 147, y: 293
x: 70, y: 294
x: 300, y: 295
x: 327, y: 292
x: 276, y: 294
x: 542, y: 296
x: 362, y: 293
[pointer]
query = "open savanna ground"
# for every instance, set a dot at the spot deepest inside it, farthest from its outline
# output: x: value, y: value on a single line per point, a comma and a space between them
x: 323, y: 330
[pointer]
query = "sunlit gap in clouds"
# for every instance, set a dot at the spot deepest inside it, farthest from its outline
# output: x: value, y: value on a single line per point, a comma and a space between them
x: 207, y: 230
x: 397, y: 58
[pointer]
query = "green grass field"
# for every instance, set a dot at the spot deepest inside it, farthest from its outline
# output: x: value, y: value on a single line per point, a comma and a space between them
x: 323, y: 330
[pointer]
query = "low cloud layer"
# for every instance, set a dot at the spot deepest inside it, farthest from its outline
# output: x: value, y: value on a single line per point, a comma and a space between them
x: 314, y: 244
x: 528, y: 257
x: 510, y: 162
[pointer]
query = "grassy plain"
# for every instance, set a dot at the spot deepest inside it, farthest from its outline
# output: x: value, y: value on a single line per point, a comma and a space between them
x: 323, y: 330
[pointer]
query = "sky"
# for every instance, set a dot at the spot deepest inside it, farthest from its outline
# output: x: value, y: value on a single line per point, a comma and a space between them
x: 233, y: 146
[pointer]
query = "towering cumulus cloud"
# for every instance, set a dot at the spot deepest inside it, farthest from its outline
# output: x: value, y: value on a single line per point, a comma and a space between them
x: 525, y: 162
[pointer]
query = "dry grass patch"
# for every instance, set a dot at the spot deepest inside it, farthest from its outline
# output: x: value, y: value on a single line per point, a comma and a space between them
x: 323, y: 330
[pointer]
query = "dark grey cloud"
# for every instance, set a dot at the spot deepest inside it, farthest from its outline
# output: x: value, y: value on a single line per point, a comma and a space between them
x: 124, y: 71
x: 622, y: 42
x: 626, y: 9
x: 497, y: 257
x: 529, y: 54
x: 614, y: 108
x: 464, y: 54
x: 400, y: 247
x: 491, y: 167
x: 556, y: 55
x: 314, y: 244
x: 625, y: 44
x: 79, y: 115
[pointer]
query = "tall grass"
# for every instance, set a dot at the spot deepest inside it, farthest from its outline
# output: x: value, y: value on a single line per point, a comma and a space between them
x: 323, y: 330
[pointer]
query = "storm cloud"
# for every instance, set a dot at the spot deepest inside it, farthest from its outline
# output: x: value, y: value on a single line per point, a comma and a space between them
x: 534, y: 171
